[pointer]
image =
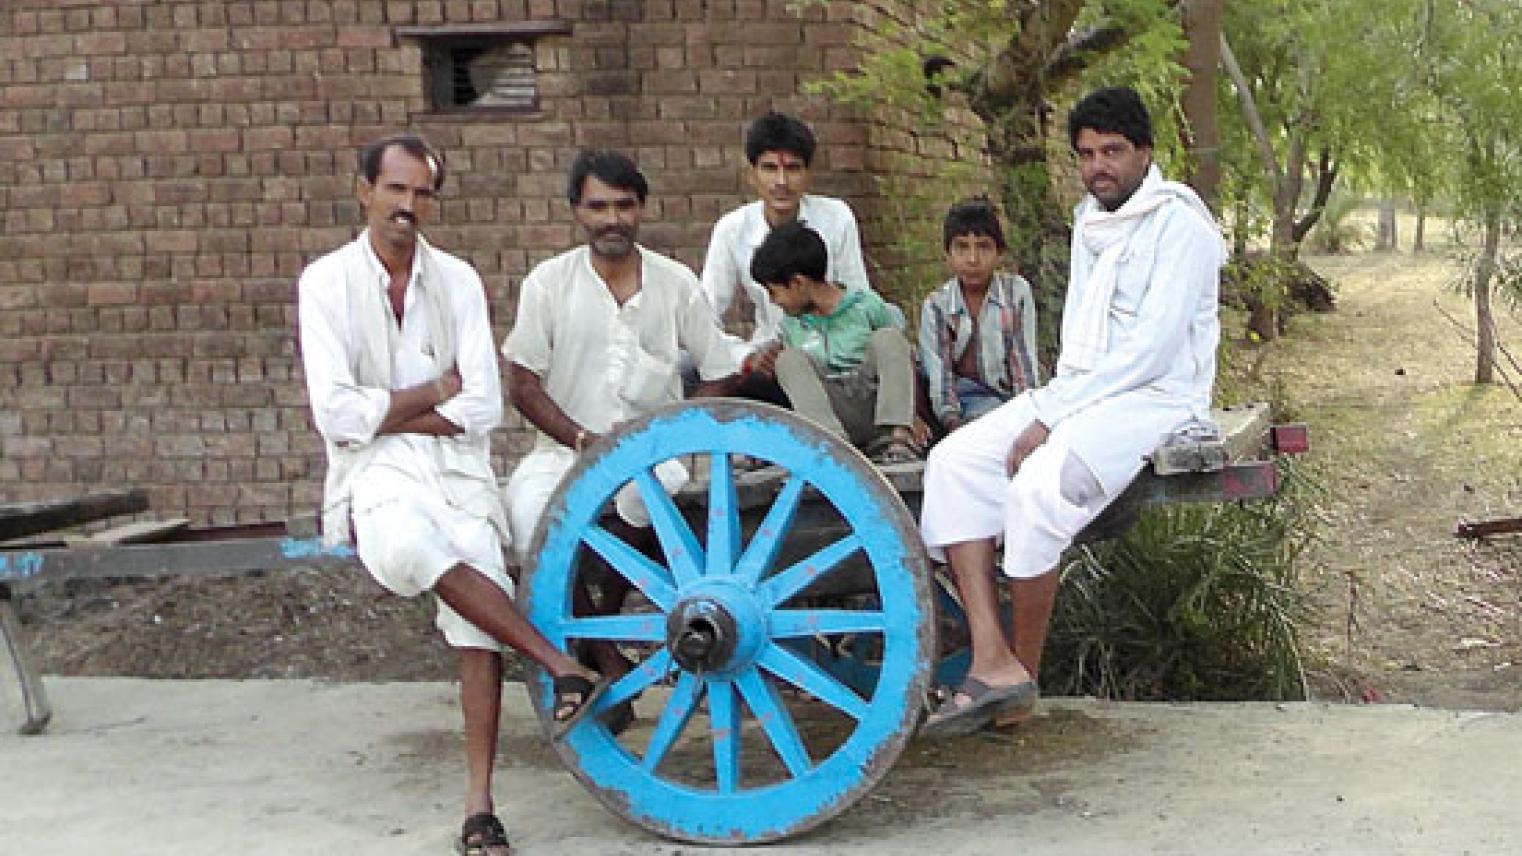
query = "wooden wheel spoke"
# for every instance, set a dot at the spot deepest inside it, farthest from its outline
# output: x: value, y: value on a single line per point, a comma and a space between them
x: 764, y: 545
x: 792, y: 623
x: 723, y: 518
x: 634, y: 566
x: 766, y: 705
x: 724, y: 723
x: 652, y: 671
x: 683, y: 554
x: 787, y: 583
x: 812, y: 680
x: 673, y: 720
x: 638, y: 627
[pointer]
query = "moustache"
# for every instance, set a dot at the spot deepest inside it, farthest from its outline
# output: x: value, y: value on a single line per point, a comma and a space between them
x: 616, y: 232
x: 404, y: 215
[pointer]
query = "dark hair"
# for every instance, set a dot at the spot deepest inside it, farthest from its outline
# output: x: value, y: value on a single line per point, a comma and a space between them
x: 370, y: 156
x: 976, y: 216
x: 614, y: 169
x: 779, y: 132
x: 1115, y: 110
x: 789, y: 250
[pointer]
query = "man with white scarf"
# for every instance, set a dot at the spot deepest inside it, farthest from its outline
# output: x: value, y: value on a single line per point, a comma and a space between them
x: 1137, y: 363
x: 396, y: 346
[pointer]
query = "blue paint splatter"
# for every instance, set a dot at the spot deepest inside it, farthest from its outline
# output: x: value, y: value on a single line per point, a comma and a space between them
x: 296, y: 549
x: 20, y: 566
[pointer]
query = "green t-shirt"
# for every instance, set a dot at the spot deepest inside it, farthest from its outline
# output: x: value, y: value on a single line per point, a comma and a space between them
x: 838, y: 341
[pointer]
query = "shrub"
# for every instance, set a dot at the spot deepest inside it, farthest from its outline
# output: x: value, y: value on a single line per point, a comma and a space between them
x: 1195, y: 602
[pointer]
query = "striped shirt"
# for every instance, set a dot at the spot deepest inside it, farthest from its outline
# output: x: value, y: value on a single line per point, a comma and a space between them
x: 1005, y: 343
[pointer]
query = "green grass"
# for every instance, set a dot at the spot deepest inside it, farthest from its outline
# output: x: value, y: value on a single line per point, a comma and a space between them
x: 1195, y: 602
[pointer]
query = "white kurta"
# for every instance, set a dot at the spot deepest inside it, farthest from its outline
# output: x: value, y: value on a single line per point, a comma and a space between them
x: 603, y: 363
x: 726, y: 267
x: 408, y: 533
x: 1153, y: 377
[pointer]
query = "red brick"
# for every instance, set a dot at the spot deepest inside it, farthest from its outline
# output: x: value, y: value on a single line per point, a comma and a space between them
x: 111, y: 293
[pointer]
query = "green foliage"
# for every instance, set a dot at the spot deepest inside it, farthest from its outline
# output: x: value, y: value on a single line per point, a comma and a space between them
x: 889, y: 87
x: 1195, y: 602
x: 1505, y: 274
x: 918, y: 207
x: 1337, y: 231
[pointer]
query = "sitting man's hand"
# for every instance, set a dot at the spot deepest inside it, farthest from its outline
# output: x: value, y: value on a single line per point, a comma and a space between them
x: 1029, y: 440
x: 763, y: 360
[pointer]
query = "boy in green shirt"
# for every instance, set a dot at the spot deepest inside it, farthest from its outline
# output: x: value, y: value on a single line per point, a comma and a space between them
x: 844, y: 362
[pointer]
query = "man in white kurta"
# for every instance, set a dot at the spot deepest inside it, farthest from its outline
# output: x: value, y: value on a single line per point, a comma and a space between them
x: 596, y: 341
x: 397, y: 351
x: 1139, y: 336
x: 780, y: 149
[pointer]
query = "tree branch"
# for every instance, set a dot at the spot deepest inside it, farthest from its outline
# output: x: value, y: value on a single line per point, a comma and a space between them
x: 1251, y: 116
x: 1073, y: 56
x: 1325, y: 178
x: 1022, y: 61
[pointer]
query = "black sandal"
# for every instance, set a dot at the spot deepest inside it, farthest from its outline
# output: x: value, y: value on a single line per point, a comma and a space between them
x: 575, y: 696
x: 479, y: 832
x: 984, y: 704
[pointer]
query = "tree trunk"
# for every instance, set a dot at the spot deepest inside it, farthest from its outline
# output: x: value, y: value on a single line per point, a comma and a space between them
x: 1384, y: 240
x: 1485, y: 329
x: 1419, y: 236
x: 1283, y: 244
x: 1239, y: 220
x: 1202, y: 136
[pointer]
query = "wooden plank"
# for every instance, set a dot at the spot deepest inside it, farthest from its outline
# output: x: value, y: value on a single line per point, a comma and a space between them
x: 1484, y: 528
x: 192, y: 558
x: 20, y: 519
x: 140, y: 532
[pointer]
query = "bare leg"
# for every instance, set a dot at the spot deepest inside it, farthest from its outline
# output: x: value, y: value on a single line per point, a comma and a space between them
x: 1032, y: 598
x: 972, y: 566
x: 481, y: 704
x: 483, y: 603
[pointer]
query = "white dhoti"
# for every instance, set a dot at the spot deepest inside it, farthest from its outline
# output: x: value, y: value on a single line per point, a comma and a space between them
x: 537, y: 476
x: 1085, y: 463
x: 407, y: 537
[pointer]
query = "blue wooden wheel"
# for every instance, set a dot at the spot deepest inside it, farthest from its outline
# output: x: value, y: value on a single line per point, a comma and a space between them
x: 741, y: 739
x: 856, y: 661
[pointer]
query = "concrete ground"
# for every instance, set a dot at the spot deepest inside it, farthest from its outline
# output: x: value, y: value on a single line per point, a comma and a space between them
x: 292, y: 767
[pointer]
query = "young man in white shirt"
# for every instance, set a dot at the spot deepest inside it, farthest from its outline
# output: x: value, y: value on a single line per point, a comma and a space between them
x: 780, y: 149
x: 1139, y: 335
x: 596, y: 343
x: 397, y: 351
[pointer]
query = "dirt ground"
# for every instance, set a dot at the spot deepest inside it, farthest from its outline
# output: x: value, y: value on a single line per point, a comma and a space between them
x: 1403, y: 444
x: 1406, y: 447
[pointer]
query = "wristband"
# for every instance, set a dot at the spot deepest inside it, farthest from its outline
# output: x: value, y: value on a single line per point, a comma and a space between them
x: 581, y: 440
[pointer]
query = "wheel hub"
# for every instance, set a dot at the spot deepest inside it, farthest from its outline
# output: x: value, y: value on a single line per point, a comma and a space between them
x: 715, y: 627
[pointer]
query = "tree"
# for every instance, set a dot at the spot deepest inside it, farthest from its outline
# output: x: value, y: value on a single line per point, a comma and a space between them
x: 1201, y: 130
x: 1026, y: 56
x: 1466, y: 66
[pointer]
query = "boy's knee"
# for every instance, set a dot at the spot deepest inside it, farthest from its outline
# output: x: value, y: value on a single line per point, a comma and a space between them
x: 792, y: 360
x: 887, y: 339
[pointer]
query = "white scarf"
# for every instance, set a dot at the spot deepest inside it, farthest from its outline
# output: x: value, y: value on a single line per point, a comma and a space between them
x: 1086, y: 326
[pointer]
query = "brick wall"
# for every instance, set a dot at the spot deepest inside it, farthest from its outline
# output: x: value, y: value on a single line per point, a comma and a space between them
x: 167, y: 168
